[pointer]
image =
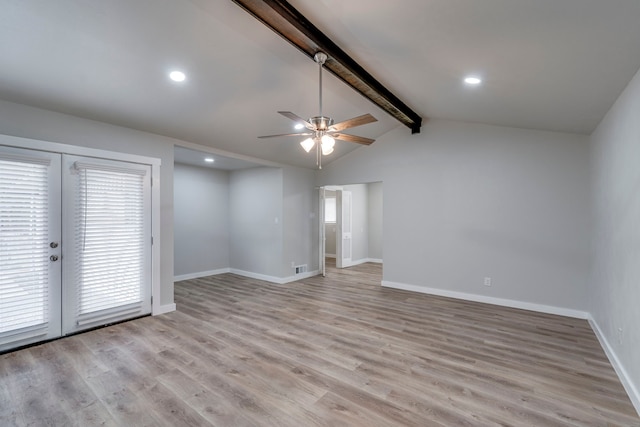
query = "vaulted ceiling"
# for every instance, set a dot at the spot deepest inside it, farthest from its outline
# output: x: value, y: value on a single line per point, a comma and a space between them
x: 546, y: 64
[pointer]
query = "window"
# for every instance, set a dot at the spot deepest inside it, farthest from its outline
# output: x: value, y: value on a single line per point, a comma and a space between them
x: 330, y: 210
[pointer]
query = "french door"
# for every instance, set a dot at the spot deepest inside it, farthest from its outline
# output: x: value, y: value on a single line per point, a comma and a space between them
x: 75, y: 244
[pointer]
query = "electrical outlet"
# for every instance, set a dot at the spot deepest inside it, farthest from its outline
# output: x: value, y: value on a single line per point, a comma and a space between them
x: 487, y: 281
x: 620, y: 336
x: 293, y: 264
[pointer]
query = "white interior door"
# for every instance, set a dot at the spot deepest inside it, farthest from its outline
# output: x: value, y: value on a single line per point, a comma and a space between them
x: 343, y: 228
x: 30, y: 267
x: 75, y: 244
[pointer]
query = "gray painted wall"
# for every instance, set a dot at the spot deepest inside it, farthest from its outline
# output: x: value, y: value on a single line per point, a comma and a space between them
x: 300, y: 226
x: 201, y: 219
x: 466, y: 201
x: 374, y: 199
x: 614, y: 288
x: 255, y: 212
x: 228, y: 220
x: 35, y: 123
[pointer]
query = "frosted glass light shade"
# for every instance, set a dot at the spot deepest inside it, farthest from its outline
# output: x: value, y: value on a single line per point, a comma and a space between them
x: 327, y: 144
x: 307, y: 144
x: 328, y: 141
x: 327, y: 151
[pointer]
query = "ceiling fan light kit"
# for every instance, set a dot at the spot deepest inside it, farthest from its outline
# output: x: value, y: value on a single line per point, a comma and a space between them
x: 322, y: 131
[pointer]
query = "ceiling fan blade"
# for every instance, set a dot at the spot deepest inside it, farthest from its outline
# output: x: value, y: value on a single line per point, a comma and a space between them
x: 297, y: 119
x: 353, y: 138
x: 356, y: 121
x: 286, y: 134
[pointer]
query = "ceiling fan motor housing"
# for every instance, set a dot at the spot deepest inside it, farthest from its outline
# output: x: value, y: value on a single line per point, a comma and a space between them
x: 321, y: 123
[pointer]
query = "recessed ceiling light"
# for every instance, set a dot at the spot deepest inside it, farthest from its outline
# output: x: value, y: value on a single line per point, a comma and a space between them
x: 472, y: 80
x: 209, y: 159
x: 177, y: 76
x: 299, y: 126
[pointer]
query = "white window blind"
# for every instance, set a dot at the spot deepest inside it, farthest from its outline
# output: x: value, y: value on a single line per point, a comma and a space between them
x: 24, y: 234
x: 330, y: 209
x: 109, y: 221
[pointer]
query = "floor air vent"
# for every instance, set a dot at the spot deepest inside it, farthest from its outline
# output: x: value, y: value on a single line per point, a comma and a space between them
x: 301, y: 269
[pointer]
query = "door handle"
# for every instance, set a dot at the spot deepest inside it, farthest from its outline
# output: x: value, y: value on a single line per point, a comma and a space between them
x: 53, y: 258
x: 53, y: 245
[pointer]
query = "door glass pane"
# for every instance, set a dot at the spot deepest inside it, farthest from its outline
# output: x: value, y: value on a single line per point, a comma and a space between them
x: 109, y: 239
x: 24, y: 235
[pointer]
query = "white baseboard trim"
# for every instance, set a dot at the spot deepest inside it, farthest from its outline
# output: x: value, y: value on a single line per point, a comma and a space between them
x: 362, y: 261
x: 630, y: 388
x: 329, y: 255
x: 266, y: 278
x: 299, y: 277
x: 200, y: 274
x: 167, y: 308
x: 253, y: 275
x: 549, y: 309
x: 273, y: 279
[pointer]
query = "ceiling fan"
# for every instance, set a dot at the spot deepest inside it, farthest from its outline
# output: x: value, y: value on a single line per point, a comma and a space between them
x: 321, y: 130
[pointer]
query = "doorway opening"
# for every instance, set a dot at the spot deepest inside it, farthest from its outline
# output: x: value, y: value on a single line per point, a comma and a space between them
x: 350, y: 225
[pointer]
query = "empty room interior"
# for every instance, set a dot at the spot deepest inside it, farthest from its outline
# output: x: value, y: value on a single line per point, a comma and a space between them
x: 319, y: 213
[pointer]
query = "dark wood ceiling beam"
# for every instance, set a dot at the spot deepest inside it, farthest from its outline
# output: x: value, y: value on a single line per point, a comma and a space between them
x: 290, y: 24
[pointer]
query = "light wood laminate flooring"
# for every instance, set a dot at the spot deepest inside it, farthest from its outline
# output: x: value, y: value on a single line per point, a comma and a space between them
x: 334, y: 351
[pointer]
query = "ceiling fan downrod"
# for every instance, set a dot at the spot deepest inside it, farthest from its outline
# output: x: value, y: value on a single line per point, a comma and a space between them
x: 322, y: 123
x: 320, y: 58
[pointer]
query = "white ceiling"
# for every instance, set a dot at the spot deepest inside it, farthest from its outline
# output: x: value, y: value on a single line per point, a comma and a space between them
x: 547, y: 64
